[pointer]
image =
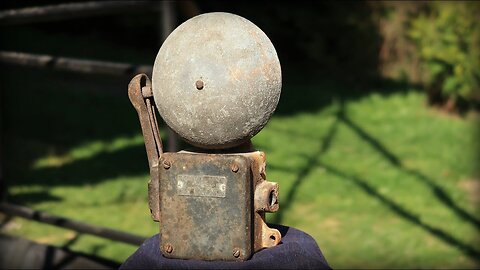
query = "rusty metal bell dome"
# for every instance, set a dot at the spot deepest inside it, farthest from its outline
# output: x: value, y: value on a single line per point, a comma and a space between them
x: 217, y: 80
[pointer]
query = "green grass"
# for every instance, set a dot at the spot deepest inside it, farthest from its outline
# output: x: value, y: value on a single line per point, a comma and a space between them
x: 377, y: 178
x: 379, y: 182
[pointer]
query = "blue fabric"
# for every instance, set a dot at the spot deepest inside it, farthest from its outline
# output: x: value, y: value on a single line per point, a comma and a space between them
x: 297, y: 250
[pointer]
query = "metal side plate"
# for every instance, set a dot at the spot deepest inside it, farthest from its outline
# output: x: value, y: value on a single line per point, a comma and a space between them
x: 206, y: 206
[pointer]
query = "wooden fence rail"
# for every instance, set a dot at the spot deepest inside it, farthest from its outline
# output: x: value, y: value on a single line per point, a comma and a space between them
x: 72, y: 64
x: 28, y: 213
x: 69, y: 11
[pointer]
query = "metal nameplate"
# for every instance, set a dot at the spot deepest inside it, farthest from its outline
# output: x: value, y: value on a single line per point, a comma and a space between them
x: 201, y: 185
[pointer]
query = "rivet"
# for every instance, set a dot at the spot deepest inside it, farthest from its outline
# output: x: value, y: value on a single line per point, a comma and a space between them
x: 236, y: 252
x: 166, y: 164
x: 168, y: 248
x: 234, y: 167
x: 199, y: 84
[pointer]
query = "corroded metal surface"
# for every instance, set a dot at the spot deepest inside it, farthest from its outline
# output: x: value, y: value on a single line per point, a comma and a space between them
x: 265, y: 200
x: 217, y: 80
x: 212, y: 206
x: 140, y: 94
x: 205, y: 207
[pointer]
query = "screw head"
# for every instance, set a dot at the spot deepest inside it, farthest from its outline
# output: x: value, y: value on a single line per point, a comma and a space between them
x: 199, y: 84
x: 236, y: 252
x: 234, y: 167
x: 166, y: 164
x: 168, y: 248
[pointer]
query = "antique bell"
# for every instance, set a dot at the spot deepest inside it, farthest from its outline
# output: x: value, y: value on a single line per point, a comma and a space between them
x: 216, y: 82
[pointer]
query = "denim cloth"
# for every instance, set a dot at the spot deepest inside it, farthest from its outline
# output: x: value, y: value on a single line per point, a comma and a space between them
x: 297, y: 250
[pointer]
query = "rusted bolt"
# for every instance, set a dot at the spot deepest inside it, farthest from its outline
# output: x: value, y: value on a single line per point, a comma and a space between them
x: 168, y: 248
x: 199, y: 84
x: 234, y: 167
x: 236, y: 252
x: 166, y: 164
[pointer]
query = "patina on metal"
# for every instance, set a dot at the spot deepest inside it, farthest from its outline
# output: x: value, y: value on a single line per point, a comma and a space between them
x: 141, y: 97
x: 227, y: 195
x: 217, y: 80
x: 211, y: 202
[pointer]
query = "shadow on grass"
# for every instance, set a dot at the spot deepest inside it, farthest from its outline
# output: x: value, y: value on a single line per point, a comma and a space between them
x: 438, y: 191
x: 312, y: 161
x: 314, y: 92
x: 405, y: 214
x: 128, y: 161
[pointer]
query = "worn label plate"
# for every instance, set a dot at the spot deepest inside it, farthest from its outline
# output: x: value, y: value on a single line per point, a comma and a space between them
x: 205, y: 206
x: 201, y: 185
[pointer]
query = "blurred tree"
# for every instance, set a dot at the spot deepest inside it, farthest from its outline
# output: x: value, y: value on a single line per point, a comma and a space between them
x: 397, y: 55
x: 447, y: 37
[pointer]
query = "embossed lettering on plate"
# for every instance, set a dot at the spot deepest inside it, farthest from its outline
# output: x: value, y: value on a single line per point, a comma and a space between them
x: 201, y: 185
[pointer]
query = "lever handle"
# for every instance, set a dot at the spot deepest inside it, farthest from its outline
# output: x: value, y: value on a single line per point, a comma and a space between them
x: 141, y: 97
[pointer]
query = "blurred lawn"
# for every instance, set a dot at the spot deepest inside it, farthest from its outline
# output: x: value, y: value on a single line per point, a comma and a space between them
x: 378, y: 179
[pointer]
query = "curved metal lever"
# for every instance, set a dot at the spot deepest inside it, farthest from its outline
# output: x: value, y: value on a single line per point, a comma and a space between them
x: 141, y: 96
